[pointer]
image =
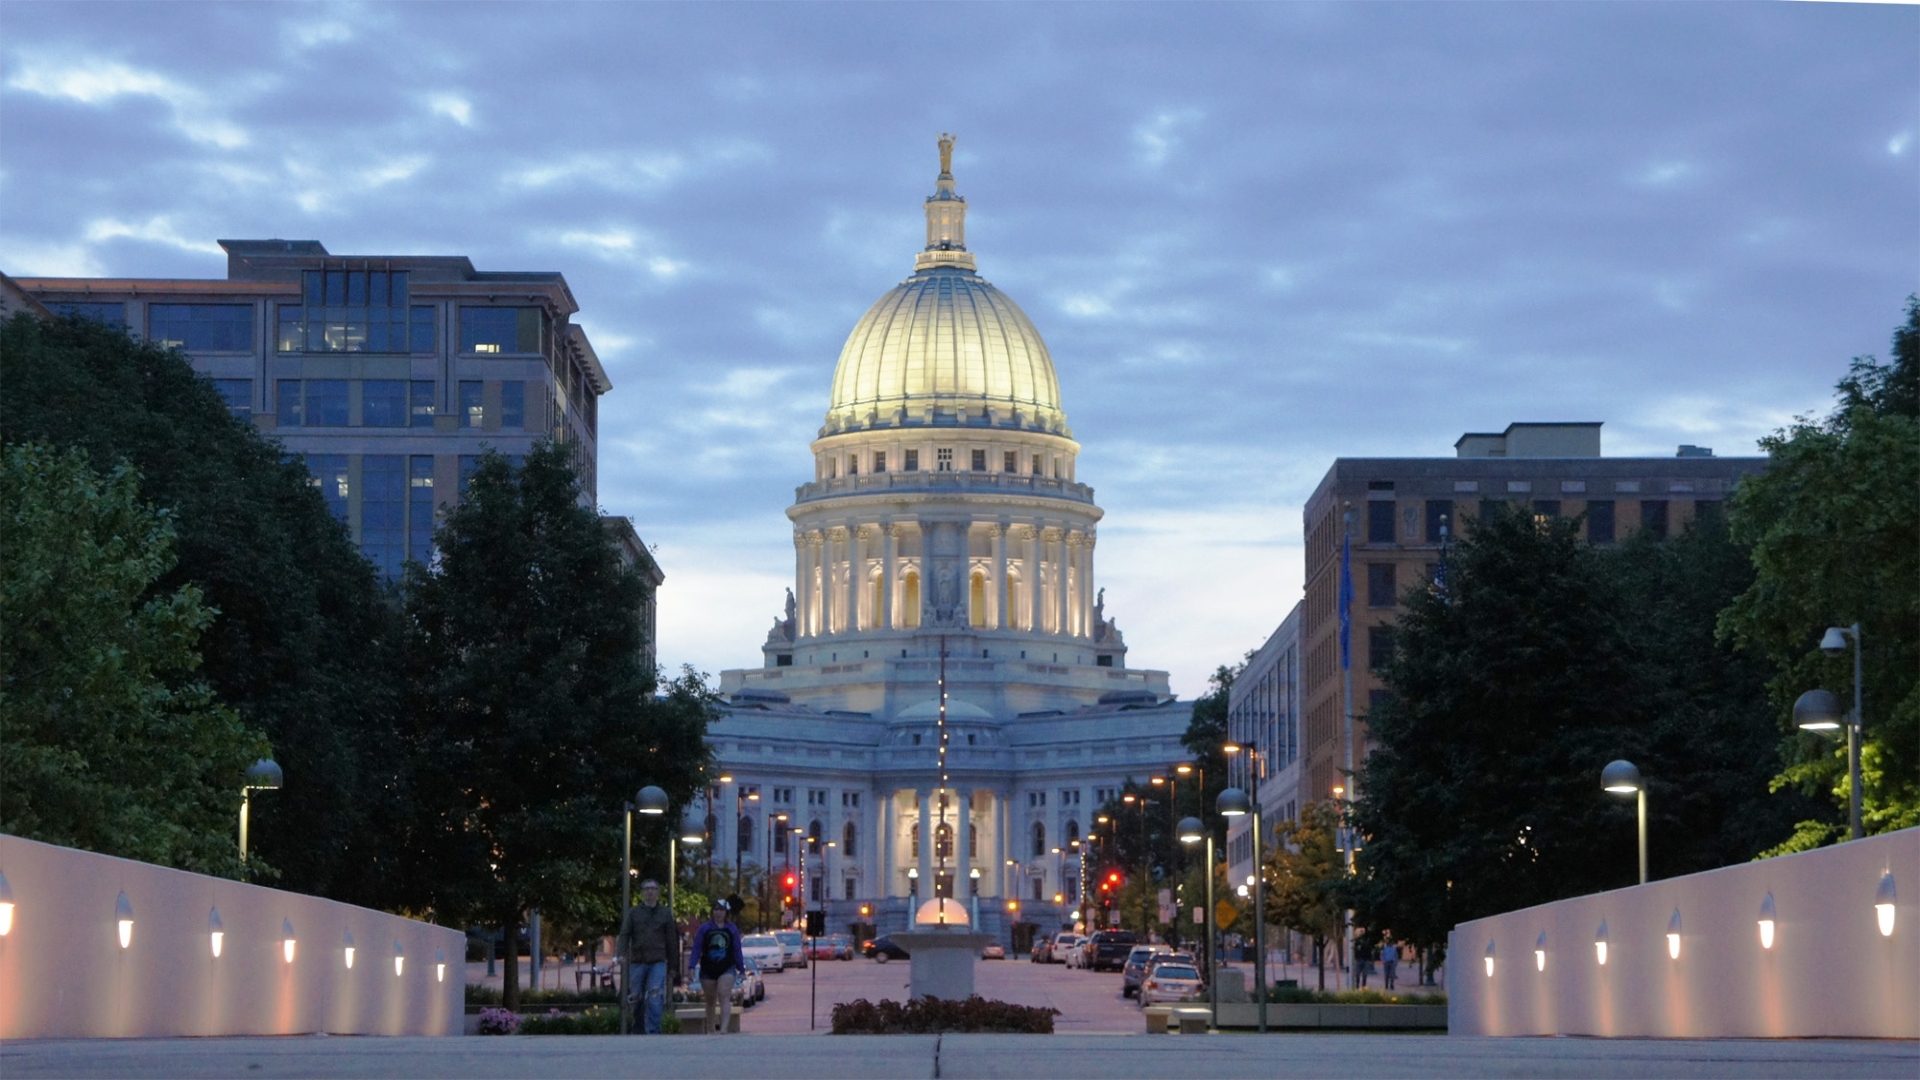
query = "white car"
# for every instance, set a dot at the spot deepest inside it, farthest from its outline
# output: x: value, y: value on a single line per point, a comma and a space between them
x: 1066, y: 949
x: 749, y: 988
x: 795, y: 944
x: 764, y: 950
x: 1171, y: 982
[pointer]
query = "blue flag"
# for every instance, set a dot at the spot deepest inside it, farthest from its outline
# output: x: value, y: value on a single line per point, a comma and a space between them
x: 1346, y: 603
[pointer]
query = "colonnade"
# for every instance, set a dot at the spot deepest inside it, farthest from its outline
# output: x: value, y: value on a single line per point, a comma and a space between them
x: 1037, y: 578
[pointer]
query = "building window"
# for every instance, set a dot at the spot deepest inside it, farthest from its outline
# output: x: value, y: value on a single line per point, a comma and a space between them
x: 1380, y: 522
x: 513, y: 404
x: 783, y: 796
x: 327, y: 402
x: 847, y: 885
x: 114, y: 314
x: 1036, y: 799
x: 1653, y: 517
x: 1039, y: 466
x: 1382, y: 588
x: 1489, y: 508
x: 420, y: 508
x: 850, y: 800
x: 743, y: 843
x: 350, y: 311
x: 500, y: 329
x: 1545, y: 510
x: 853, y: 464
x: 288, y: 404
x: 1707, y: 513
x: 422, y: 403
x: 979, y: 461
x: 1439, y: 514
x: 912, y: 463
x: 880, y: 461
x: 943, y: 841
x: 202, y: 327
x: 383, y: 512
x: 1040, y: 886
x: 238, y: 394
x: 469, y: 464
x: 813, y: 837
x: 383, y: 403
x: 849, y: 835
x: 330, y: 476
x: 779, y: 838
x: 1011, y: 462
x: 1039, y: 839
x: 422, y: 335
x: 473, y: 409
x: 816, y: 797
x: 1073, y: 831
x: 943, y: 459
x: 1105, y: 795
x: 1600, y: 521
x: 1379, y: 647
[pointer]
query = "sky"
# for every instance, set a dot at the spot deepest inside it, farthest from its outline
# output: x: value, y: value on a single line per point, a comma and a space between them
x: 1255, y: 237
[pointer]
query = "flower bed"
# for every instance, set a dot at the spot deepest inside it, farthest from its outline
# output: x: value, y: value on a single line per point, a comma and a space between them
x: 1298, y: 995
x: 928, y: 1016
x: 599, y: 1020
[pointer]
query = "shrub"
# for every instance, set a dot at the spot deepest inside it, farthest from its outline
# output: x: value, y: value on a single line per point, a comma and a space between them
x: 931, y: 1015
x: 1296, y: 995
x: 481, y: 994
x: 669, y: 1024
x: 599, y: 1020
x: 498, y: 1022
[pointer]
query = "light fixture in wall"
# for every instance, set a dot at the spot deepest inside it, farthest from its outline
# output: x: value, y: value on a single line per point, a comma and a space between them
x: 6, y: 907
x: 399, y: 959
x: 1883, y: 900
x: 1540, y: 952
x: 123, y: 919
x: 346, y: 942
x: 216, y: 932
x: 1766, y: 922
x: 1489, y: 959
x: 1600, y: 943
x: 439, y: 965
x: 286, y: 939
x: 1673, y: 935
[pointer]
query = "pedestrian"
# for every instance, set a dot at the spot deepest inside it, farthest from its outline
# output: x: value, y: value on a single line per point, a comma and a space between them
x: 649, y: 942
x: 716, y: 945
x: 1389, y: 962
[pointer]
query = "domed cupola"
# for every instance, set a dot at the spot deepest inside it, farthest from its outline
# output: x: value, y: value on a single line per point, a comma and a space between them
x: 944, y: 347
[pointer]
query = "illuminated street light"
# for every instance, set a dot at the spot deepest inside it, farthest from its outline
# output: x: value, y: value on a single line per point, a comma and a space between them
x: 262, y: 775
x: 1623, y: 778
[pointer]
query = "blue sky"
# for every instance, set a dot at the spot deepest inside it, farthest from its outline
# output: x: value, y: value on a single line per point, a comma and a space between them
x: 1256, y: 237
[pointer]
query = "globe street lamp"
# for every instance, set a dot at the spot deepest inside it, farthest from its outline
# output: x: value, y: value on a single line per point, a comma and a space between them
x: 262, y: 775
x: 1190, y: 831
x: 1234, y: 803
x: 1623, y: 778
x: 1822, y: 713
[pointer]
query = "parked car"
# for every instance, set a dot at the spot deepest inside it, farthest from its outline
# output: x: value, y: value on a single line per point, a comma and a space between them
x: 842, y: 946
x: 1065, y: 944
x: 751, y: 986
x: 822, y: 948
x: 1134, y: 971
x: 1171, y: 982
x: 1110, y: 949
x: 1158, y: 959
x: 993, y: 950
x: 794, y: 943
x: 882, y: 949
x: 764, y: 950
x: 1041, y: 949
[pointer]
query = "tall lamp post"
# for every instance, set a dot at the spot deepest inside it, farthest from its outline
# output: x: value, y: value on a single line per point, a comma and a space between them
x: 1192, y: 831
x: 1623, y: 778
x: 651, y: 801
x: 265, y: 775
x: 1818, y: 710
x: 1233, y: 803
x: 774, y: 826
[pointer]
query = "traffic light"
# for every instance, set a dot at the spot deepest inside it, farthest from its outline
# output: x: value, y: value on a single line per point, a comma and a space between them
x: 792, y: 888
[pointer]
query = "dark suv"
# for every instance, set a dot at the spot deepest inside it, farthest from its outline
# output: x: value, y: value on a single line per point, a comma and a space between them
x: 1110, y: 949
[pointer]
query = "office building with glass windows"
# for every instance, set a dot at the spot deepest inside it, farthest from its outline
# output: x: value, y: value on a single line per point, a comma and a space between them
x: 390, y: 375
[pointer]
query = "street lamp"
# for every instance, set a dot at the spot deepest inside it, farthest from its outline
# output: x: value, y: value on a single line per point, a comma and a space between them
x: 1623, y: 778
x: 1823, y: 714
x: 262, y: 775
x: 1234, y: 803
x: 1192, y: 831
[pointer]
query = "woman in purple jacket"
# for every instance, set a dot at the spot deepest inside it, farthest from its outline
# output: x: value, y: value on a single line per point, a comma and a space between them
x: 716, y: 950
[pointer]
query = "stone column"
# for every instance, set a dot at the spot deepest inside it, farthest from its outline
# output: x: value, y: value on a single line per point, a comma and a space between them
x: 1000, y: 592
x: 1030, y: 608
x: 884, y: 848
x: 860, y: 607
x: 926, y: 823
x: 962, y: 837
x: 803, y: 583
x: 1002, y: 822
x: 828, y: 608
x: 1087, y: 629
x: 889, y: 549
x: 1060, y: 594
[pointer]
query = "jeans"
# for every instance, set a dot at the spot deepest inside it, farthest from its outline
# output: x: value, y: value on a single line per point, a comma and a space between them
x: 718, y: 993
x: 1392, y: 970
x: 650, y: 990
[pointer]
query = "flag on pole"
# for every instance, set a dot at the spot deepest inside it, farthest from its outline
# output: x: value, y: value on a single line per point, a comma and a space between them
x: 1346, y: 603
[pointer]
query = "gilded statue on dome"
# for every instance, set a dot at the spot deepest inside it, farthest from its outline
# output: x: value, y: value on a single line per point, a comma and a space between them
x: 946, y: 153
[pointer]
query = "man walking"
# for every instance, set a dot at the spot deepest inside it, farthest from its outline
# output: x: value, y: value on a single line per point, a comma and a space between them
x: 1389, y: 962
x: 716, y: 947
x: 650, y: 943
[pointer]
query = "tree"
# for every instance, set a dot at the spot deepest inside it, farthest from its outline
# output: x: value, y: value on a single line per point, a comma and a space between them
x: 1305, y: 872
x: 536, y: 716
x: 303, y: 645
x: 108, y: 741
x: 1835, y: 531
x: 1205, y: 735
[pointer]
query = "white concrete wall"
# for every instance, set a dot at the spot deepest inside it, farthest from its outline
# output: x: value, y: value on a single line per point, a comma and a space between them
x: 64, y: 974
x: 1829, y: 972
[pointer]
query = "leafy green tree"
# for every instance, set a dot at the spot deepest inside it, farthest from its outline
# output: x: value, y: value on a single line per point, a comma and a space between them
x: 303, y: 644
x: 1205, y: 735
x: 1835, y: 531
x: 108, y: 741
x: 536, y: 716
x: 1305, y: 873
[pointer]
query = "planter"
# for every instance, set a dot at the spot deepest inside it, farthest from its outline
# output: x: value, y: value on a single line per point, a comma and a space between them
x: 1245, y: 1015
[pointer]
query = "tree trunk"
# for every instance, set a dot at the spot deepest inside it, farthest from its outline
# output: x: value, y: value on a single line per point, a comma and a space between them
x: 510, y: 976
x: 1320, y: 959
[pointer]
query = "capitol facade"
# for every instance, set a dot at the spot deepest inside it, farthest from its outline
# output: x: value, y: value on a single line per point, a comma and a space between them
x: 944, y: 547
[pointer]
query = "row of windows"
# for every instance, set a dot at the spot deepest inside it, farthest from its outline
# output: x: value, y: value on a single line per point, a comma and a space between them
x: 1441, y: 523
x: 343, y: 311
x: 389, y: 403
x: 943, y: 461
x: 398, y: 510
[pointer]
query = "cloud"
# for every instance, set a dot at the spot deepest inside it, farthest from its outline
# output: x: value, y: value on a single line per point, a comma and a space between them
x: 624, y: 246
x: 100, y: 82
x: 616, y: 171
x: 1159, y: 135
x: 30, y: 258
x: 156, y: 230
x: 319, y: 188
x: 313, y: 33
x: 1897, y: 146
x: 453, y: 107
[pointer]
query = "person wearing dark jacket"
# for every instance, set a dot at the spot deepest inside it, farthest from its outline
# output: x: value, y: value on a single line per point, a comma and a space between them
x: 716, y: 949
x: 650, y: 942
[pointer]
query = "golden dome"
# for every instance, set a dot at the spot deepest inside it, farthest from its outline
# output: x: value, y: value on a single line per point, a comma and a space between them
x: 945, y: 346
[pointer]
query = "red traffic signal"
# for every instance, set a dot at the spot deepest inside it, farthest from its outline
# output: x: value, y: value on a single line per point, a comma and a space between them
x: 790, y: 882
